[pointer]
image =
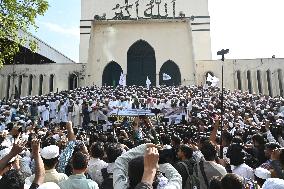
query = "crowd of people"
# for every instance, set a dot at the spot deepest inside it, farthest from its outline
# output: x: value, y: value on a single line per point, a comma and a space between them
x: 72, y: 140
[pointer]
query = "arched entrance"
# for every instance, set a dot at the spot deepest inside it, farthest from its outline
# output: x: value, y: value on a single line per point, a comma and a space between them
x: 141, y: 62
x: 111, y: 74
x: 72, y: 82
x: 169, y: 74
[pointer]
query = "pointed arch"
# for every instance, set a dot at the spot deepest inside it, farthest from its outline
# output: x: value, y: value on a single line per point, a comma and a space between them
x: 268, y: 77
x: 20, y: 81
x: 141, y: 62
x: 239, y: 78
x: 249, y: 81
x: 8, y: 87
x: 72, y: 81
x: 51, y: 83
x: 259, y: 81
x: 280, y: 82
x: 111, y: 74
x: 171, y: 69
x: 40, y: 85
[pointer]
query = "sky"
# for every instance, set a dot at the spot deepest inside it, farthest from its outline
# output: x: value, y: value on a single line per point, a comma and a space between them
x: 249, y: 28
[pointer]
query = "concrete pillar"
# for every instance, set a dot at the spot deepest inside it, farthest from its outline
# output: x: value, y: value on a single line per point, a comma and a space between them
x: 264, y: 82
x: 45, y: 84
x: 157, y: 79
x: 244, y: 80
x: 14, y: 82
x: 254, y: 81
x: 25, y: 85
x: 35, y: 85
x: 2, y: 91
x: 5, y: 81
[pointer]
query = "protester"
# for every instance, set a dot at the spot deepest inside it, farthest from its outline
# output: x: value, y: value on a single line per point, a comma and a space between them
x: 161, y: 137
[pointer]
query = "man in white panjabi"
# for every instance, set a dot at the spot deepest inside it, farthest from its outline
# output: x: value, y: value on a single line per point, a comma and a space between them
x: 76, y: 114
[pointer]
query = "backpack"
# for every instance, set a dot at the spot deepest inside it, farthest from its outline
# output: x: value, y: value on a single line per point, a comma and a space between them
x: 108, y: 179
x: 192, y: 181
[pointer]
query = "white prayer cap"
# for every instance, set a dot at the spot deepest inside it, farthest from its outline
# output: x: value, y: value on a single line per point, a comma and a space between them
x: 29, y: 121
x: 41, y: 133
x: 49, y: 185
x: 50, y: 152
x: 25, y: 137
x: 262, y: 173
x: 17, y: 118
x: 273, y: 183
x: 56, y: 137
x: 22, y: 121
x: 5, y: 152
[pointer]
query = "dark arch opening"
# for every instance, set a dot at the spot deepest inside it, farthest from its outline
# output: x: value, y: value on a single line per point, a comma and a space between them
x: 239, y: 80
x: 30, y: 84
x: 51, y: 83
x: 40, y: 84
x: 268, y: 77
x: 171, y: 69
x: 249, y: 82
x: 20, y: 81
x: 206, y: 76
x: 72, y: 82
x: 111, y: 74
x: 280, y: 80
x: 8, y: 86
x: 141, y: 62
x: 259, y: 83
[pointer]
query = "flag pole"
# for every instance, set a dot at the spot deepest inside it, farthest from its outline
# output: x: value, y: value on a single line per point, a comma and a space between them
x: 222, y: 53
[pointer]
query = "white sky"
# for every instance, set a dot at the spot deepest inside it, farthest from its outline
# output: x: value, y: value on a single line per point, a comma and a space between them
x: 249, y: 28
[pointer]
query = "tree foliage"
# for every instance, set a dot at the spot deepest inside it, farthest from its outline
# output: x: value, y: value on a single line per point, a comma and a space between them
x: 17, y: 18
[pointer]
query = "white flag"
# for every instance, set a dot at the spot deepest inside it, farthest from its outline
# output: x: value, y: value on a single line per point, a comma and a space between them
x: 166, y: 77
x: 213, y: 80
x: 124, y: 81
x: 148, y: 83
x: 121, y: 79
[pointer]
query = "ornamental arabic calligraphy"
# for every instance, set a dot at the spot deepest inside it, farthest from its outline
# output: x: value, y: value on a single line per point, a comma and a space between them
x: 137, y: 9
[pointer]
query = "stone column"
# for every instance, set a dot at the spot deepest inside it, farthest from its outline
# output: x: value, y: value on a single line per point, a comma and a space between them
x: 25, y: 85
x: 157, y: 79
x: 45, y: 84
x: 244, y: 81
x: 14, y: 82
x: 264, y: 83
x: 253, y: 81
x: 35, y: 85
x: 4, y: 86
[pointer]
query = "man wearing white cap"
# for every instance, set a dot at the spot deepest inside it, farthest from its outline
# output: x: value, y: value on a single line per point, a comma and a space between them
x: 50, y: 156
x: 261, y: 175
x: 273, y: 183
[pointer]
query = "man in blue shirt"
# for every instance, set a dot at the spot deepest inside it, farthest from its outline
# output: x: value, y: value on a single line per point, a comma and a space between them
x: 78, y: 179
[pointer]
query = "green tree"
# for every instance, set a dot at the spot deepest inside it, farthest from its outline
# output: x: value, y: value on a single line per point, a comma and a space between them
x: 15, y: 16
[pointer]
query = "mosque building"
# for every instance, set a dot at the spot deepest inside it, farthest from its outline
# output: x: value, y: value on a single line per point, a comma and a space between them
x: 141, y: 39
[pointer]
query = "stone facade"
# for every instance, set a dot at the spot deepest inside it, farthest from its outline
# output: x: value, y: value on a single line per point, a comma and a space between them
x: 32, y: 80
